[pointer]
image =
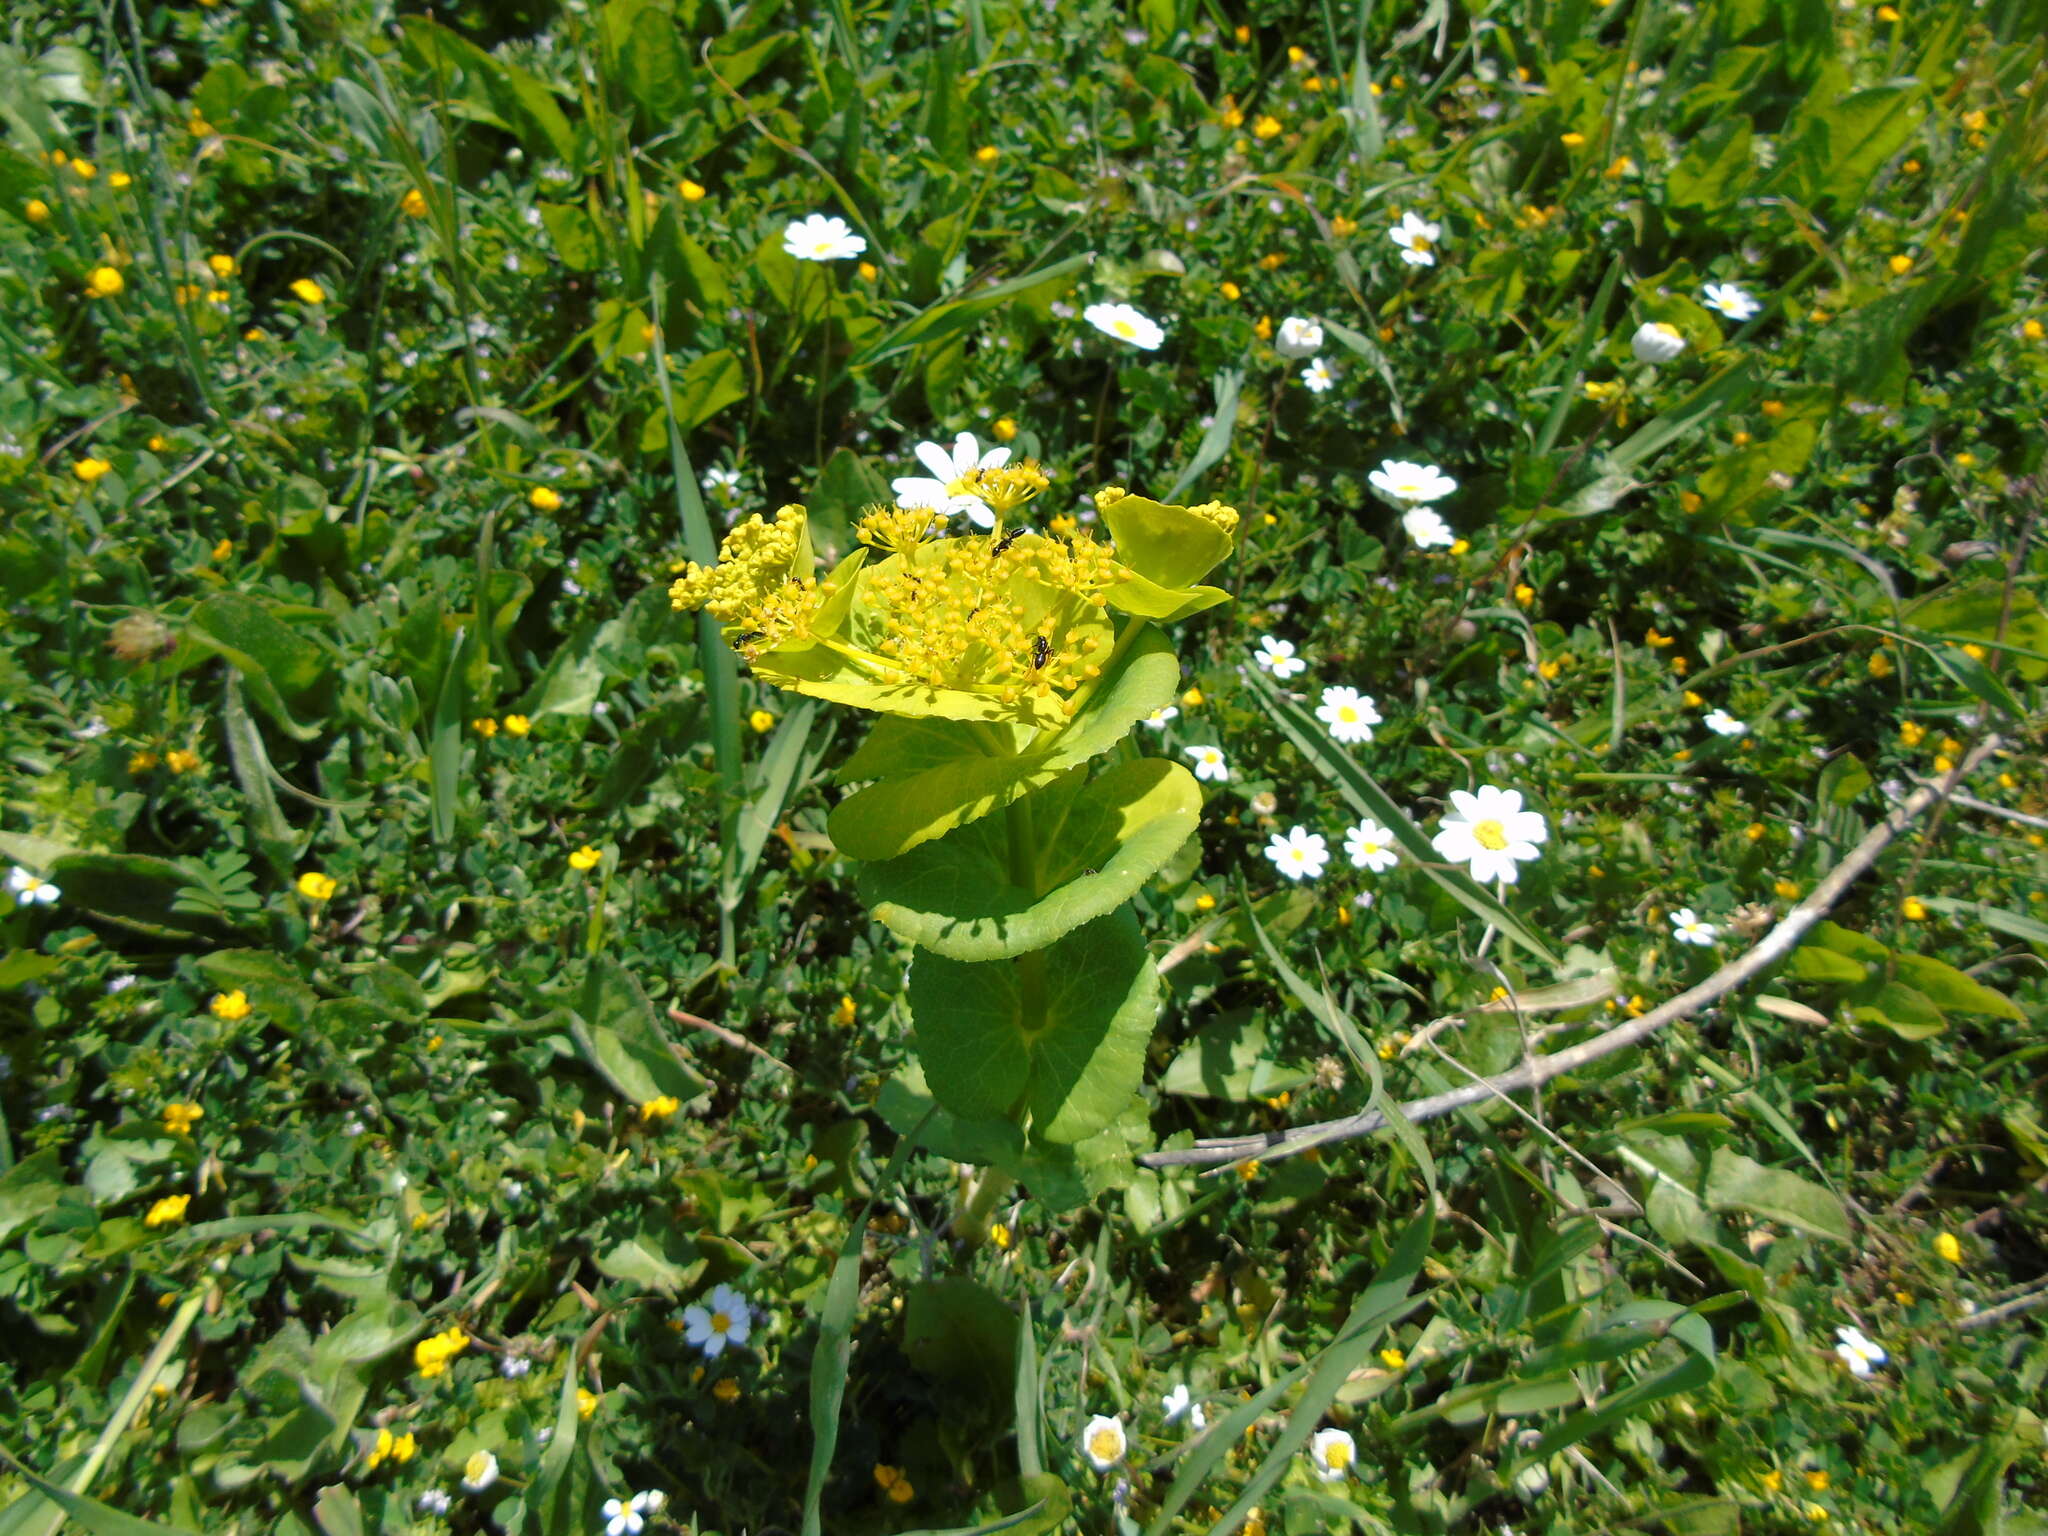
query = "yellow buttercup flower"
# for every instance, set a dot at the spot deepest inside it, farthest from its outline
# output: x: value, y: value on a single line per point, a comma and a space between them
x: 544, y: 498
x: 585, y: 858
x: 1900, y: 265
x: 586, y: 1402
x: 142, y: 762
x: 315, y: 886
x: 1572, y: 140
x: 431, y: 1355
x: 167, y: 1212
x: 84, y: 169
x: 104, y: 282
x: 179, y: 760
x: 180, y: 1118
x: 690, y: 191
x: 518, y: 725
x: 1949, y: 1247
x: 484, y: 725
x: 659, y: 1108
x: 895, y: 1485
x: 988, y: 154
x: 36, y: 210
x: 844, y: 1013
x: 229, y: 1006
x: 414, y: 203
x: 309, y: 292
x: 1913, y: 910
x: 1393, y: 1359
x: 1268, y: 126
x: 223, y: 265
x: 90, y: 469
x: 1004, y: 429
x: 761, y: 722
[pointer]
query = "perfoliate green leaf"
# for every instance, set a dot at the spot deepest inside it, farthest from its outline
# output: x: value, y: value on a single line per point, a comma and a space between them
x: 1091, y: 846
x: 1171, y: 546
x: 1058, y: 1034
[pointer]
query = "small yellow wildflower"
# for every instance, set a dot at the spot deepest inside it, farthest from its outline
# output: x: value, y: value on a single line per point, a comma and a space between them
x: 1263, y: 328
x: 1818, y: 1481
x: 517, y: 725
x: 1913, y: 910
x: 414, y: 203
x: 1911, y: 733
x: 104, y: 282
x: 315, y: 886
x: 84, y: 169
x: 1652, y: 638
x: 1393, y: 1359
x: 484, y: 725
x: 142, y: 762
x: 1192, y: 699
x: 1004, y: 429
x: 1814, y: 1512
x: 1343, y: 228
x: 229, y: 1006
x: 90, y: 469
x: 1572, y: 140
x: 1900, y: 265
x: 1690, y: 501
x: 2032, y: 330
x: 179, y: 760
x: 223, y: 265
x: 1621, y: 167
x: 431, y: 1355
x: 1754, y: 831
x: 1267, y: 127
x: 308, y: 292
x: 167, y: 1212
x: 1742, y: 439
x: 1635, y: 1006
x: 585, y: 858
x: 1524, y: 593
x: 586, y: 1402
x: 1205, y: 902
x: 868, y: 271
x: 1949, y: 1247
x: 1772, y: 1480
x: 761, y: 721
x: 1788, y: 890
x: 690, y: 191
x: 999, y: 1233
x: 222, y: 550
x: 544, y: 498
x: 726, y: 1390
x: 1944, y: 764
x: 1971, y: 648
x: 1887, y: 13
x: 988, y: 154
x: 1231, y: 292
x: 181, y: 1117
x: 36, y: 210
x: 659, y: 1108
x: 843, y: 1015
x: 895, y: 1485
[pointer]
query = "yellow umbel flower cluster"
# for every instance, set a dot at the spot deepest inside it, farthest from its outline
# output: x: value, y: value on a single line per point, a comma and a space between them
x: 432, y: 1355
x: 1007, y: 488
x: 753, y: 561
x: 896, y: 529
x: 1214, y: 512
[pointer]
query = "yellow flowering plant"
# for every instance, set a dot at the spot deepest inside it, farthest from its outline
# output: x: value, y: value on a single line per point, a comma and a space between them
x: 1000, y: 665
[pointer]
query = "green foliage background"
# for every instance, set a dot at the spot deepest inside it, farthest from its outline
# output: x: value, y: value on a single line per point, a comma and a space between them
x: 325, y: 535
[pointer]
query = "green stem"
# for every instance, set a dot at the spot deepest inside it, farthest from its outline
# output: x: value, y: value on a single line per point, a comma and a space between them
x: 986, y: 1188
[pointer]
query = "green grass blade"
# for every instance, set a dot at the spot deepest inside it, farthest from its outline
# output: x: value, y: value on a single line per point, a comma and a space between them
x: 1216, y: 441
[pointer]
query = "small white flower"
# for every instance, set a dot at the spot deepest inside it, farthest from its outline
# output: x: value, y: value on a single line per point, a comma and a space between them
x: 951, y: 486
x: 1411, y: 482
x: 1158, y: 718
x: 1332, y: 1453
x: 1298, y: 336
x: 722, y: 483
x: 1349, y: 714
x: 724, y: 1322
x: 1491, y: 832
x: 512, y: 1367
x: 622, y: 1518
x: 1417, y: 239
x: 821, y: 238
x: 1319, y: 376
x: 1721, y: 723
x: 1731, y: 301
x: 1209, y: 764
x: 480, y: 1471
x: 1656, y: 342
x: 31, y: 890
x: 1125, y: 324
x: 1181, y: 1402
x: 1427, y: 529
x: 1300, y: 855
x: 1372, y: 847
x: 432, y: 1502
x: 1687, y: 928
x: 1103, y: 1442
x: 1860, y: 1353
x: 1278, y: 658
x: 650, y: 1502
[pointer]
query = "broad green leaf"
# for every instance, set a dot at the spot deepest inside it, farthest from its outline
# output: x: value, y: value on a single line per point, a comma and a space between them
x: 1170, y: 546
x: 1228, y: 1060
x: 575, y: 236
x: 1948, y: 988
x: 1812, y: 962
x: 2018, y: 925
x: 1092, y: 846
x: 286, y: 673
x: 692, y: 273
x: 1736, y: 1183
x: 957, y: 1331
x: 134, y: 890
x: 893, y: 816
x: 618, y: 1034
x: 1725, y: 393
x: 1906, y: 1011
x: 31, y: 1187
x: 1715, y: 164
x: 1215, y: 442
x: 1979, y: 612
x: 1058, y: 1034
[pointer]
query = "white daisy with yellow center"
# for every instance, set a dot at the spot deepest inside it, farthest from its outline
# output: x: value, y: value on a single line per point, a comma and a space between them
x: 1349, y: 714
x: 1491, y: 832
x: 1332, y: 1453
x: 1125, y: 324
x: 1104, y: 1442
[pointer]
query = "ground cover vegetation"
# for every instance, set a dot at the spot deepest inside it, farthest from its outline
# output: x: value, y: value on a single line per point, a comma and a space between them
x: 884, y: 767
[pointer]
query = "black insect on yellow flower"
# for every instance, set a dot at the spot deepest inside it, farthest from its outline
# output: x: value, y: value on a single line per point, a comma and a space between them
x: 1041, y: 652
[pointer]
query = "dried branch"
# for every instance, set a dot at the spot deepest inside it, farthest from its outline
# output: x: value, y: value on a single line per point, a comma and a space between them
x: 729, y: 1037
x: 1769, y: 950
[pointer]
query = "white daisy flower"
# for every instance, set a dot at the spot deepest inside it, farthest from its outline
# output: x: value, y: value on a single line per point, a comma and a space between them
x: 1332, y: 1453
x: 1349, y: 714
x: 1687, y: 928
x: 1158, y: 718
x: 1491, y: 832
x: 1125, y: 324
x: 1103, y: 1442
x: 1721, y: 723
x: 1411, y: 482
x: 724, y: 1322
x: 1426, y: 529
x: 480, y: 1471
x: 650, y: 1502
x: 1656, y: 342
x: 722, y: 483
x: 31, y: 890
x: 1372, y: 847
x: 822, y: 238
x: 1298, y: 336
x: 1731, y: 301
x: 1300, y: 855
x: 622, y: 1518
x: 951, y: 486
x: 1319, y: 376
x: 1417, y: 239
x: 1278, y: 658
x: 1181, y: 1403
x: 1209, y: 764
x: 1859, y: 1352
